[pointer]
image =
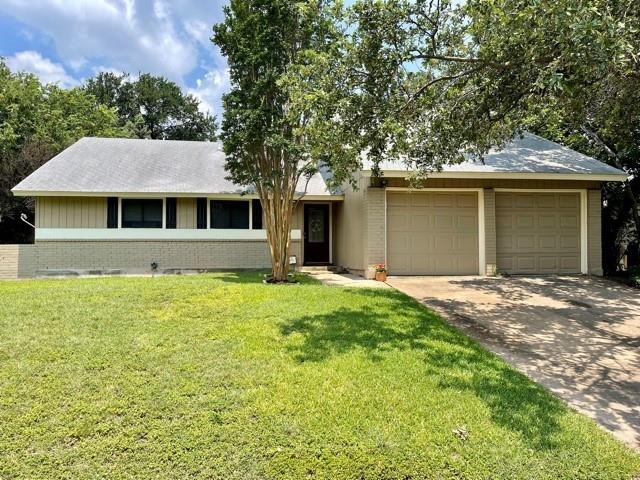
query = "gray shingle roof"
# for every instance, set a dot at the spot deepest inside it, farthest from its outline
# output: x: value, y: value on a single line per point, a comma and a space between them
x: 117, y: 165
x: 529, y: 154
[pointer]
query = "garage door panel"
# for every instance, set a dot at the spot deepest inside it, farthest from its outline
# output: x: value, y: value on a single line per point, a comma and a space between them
x: 548, y: 264
x: 442, y: 230
x: 525, y: 263
x: 538, y: 232
x: 443, y: 222
x: 523, y: 201
x: 525, y: 242
x: 570, y: 264
x: 548, y: 221
x: 467, y: 222
x: 546, y: 201
x: 569, y: 200
x: 569, y: 221
x: 420, y: 223
x: 548, y: 242
x: 525, y: 221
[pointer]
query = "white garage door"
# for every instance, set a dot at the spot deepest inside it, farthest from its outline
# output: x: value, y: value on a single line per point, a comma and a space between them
x: 538, y: 233
x: 432, y: 233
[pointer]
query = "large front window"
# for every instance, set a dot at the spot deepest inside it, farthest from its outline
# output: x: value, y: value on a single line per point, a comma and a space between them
x: 227, y: 214
x: 141, y: 213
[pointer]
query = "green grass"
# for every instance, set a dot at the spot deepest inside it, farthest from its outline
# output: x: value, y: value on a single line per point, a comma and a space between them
x: 220, y: 376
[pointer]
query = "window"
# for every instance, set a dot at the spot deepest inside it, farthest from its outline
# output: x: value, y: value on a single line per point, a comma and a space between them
x: 141, y: 213
x: 229, y: 214
x: 256, y: 213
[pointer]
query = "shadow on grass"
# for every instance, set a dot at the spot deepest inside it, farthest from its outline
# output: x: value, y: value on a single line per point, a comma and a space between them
x: 393, y: 322
x: 257, y: 277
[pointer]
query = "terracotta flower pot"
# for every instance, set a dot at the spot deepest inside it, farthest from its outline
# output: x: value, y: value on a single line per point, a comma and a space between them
x: 381, y: 276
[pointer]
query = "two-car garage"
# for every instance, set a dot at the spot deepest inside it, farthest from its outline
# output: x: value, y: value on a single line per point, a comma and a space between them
x: 443, y: 232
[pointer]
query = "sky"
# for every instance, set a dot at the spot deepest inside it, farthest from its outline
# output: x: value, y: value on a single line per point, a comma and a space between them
x: 68, y: 41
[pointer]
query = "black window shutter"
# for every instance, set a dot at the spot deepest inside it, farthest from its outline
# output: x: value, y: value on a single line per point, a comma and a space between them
x: 112, y: 212
x: 202, y: 212
x: 171, y: 212
x: 256, y: 213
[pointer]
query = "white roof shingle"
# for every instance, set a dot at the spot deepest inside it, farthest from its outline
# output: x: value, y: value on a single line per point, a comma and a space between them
x: 118, y: 165
x: 529, y: 154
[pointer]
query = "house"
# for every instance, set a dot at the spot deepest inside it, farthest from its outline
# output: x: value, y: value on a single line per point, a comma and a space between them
x: 533, y: 207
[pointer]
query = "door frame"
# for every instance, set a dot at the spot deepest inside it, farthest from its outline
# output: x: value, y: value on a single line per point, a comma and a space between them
x: 584, y: 217
x: 302, y: 204
x: 481, y: 218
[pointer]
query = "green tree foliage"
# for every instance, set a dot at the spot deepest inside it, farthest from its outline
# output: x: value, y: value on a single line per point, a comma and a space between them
x: 434, y: 81
x: 37, y: 122
x: 153, y: 107
x: 268, y: 129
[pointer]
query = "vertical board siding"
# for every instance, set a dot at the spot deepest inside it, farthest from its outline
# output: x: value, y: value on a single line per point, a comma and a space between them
x: 71, y: 212
x: 187, y: 214
x: 594, y: 232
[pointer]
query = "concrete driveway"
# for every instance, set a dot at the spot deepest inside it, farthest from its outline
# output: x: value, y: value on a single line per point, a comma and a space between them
x: 578, y: 336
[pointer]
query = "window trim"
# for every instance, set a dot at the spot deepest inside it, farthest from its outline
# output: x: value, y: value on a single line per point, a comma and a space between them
x: 164, y: 211
x: 246, y: 200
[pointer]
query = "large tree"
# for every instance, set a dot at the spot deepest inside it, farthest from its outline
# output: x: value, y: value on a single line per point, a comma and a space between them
x: 152, y: 106
x: 433, y: 81
x: 36, y: 122
x: 268, y: 128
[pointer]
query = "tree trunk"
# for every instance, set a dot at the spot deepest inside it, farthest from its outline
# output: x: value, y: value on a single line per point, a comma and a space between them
x: 277, y: 207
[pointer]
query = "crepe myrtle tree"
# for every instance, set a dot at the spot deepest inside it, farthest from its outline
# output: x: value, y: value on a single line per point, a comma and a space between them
x: 276, y: 110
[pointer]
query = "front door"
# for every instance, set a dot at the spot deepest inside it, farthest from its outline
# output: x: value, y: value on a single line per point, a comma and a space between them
x: 316, y: 234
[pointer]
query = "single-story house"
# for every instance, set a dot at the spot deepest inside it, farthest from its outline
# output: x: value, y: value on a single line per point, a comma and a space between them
x: 533, y: 207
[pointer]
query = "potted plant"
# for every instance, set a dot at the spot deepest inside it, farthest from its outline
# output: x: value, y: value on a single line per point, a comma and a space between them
x: 381, y: 272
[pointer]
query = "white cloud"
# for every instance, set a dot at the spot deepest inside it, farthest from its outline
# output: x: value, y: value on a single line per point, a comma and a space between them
x: 45, y: 69
x: 162, y: 37
x: 209, y: 90
x: 144, y: 35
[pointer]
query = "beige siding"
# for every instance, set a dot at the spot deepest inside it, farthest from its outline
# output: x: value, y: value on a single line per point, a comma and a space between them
x: 594, y: 232
x: 490, y: 231
x: 432, y: 233
x: 186, y: 213
x: 538, y: 232
x: 71, y: 212
x: 349, y: 228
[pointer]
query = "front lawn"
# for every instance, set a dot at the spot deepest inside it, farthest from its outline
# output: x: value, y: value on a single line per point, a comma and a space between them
x: 220, y: 376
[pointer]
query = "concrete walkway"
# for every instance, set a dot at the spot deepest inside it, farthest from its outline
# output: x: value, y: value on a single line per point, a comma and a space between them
x: 346, y: 280
x: 578, y: 336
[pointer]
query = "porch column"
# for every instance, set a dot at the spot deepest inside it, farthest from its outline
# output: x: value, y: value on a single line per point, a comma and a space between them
x: 490, y: 257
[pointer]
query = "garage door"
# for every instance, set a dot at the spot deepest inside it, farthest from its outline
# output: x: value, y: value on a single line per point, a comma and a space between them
x: 432, y: 233
x: 538, y: 232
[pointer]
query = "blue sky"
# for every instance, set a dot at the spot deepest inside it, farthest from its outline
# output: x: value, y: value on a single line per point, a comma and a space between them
x: 67, y: 41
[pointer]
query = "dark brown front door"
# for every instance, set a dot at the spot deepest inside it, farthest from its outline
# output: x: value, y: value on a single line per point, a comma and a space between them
x: 316, y: 234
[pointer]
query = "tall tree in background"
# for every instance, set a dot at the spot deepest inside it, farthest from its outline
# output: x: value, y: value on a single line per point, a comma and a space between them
x: 37, y: 122
x: 269, y: 126
x: 153, y: 107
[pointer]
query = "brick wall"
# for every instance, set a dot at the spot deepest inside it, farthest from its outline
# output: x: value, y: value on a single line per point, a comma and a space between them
x: 374, y: 228
x: 137, y: 256
x: 17, y: 261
